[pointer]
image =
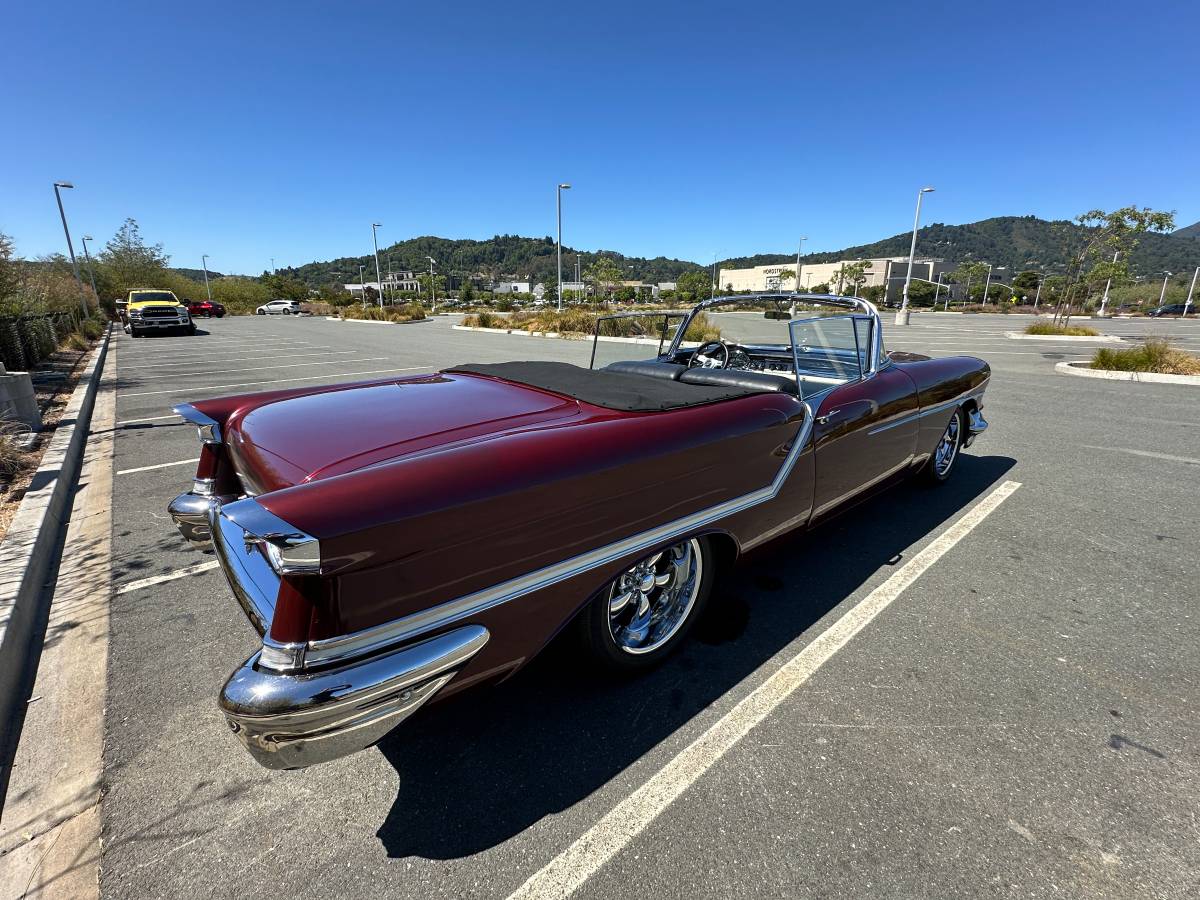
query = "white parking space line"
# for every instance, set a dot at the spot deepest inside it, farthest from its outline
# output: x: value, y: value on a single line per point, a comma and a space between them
x: 1149, y: 454
x: 221, y: 387
x: 193, y: 360
x: 567, y: 872
x: 311, y: 362
x: 170, y: 576
x: 181, y: 462
x: 148, y: 419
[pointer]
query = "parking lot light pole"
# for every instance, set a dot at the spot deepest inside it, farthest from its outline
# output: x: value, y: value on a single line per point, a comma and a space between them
x: 1191, y: 290
x: 70, y: 248
x: 1107, y: 285
x: 88, y: 259
x: 938, y: 292
x: 1038, y: 295
x: 1162, y: 295
x: 432, y: 286
x: 902, y: 315
x: 362, y: 284
x: 204, y: 265
x: 378, y: 274
x: 987, y: 284
x: 558, y: 194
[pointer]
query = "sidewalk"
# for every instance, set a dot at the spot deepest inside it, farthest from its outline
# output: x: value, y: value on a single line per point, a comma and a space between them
x: 50, y: 834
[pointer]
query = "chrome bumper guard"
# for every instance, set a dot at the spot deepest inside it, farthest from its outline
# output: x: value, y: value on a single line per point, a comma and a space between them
x: 293, y: 721
x: 976, y: 425
x: 190, y: 512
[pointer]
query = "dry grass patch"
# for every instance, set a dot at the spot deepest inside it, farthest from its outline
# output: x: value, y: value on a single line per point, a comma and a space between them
x: 1156, y: 355
x: 1061, y: 330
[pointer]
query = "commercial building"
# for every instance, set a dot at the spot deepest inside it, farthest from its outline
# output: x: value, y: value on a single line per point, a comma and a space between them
x: 889, y: 270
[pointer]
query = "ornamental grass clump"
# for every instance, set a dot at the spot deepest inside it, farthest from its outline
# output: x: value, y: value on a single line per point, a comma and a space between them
x: 1061, y: 330
x: 1156, y: 355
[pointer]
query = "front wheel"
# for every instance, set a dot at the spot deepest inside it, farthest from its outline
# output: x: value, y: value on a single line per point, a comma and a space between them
x: 646, y: 612
x: 945, y: 454
x: 260, y: 312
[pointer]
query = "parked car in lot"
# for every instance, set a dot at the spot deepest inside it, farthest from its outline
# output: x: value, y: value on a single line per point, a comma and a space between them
x: 1173, y: 309
x: 149, y: 311
x: 206, y: 308
x: 279, y: 307
x: 402, y: 539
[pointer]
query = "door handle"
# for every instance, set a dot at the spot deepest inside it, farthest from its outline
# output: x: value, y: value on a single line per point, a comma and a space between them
x: 824, y: 420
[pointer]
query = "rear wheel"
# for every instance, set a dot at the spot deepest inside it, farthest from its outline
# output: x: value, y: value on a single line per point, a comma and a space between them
x: 646, y: 612
x: 945, y: 454
x: 260, y: 312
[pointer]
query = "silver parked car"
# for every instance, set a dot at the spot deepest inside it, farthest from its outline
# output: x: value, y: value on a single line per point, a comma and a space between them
x: 282, y: 307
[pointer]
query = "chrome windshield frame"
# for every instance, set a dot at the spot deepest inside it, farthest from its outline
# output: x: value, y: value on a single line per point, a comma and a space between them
x: 853, y: 304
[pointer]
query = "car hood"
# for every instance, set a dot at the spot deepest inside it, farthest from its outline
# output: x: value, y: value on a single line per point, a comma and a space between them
x: 334, y: 430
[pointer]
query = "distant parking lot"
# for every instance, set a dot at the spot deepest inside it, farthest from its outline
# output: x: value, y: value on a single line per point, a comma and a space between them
x: 1021, y: 720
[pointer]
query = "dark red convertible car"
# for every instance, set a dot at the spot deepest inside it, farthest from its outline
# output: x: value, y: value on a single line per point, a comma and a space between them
x: 402, y: 538
x: 206, y: 308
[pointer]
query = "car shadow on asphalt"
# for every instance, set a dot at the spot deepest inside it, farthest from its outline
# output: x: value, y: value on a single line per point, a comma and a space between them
x: 480, y: 768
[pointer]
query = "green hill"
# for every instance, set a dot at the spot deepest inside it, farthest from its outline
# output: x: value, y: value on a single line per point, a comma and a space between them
x: 1020, y: 242
x: 504, y: 254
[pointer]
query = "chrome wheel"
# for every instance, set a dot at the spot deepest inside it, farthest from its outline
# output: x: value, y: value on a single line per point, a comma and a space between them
x: 649, y: 603
x: 947, y: 448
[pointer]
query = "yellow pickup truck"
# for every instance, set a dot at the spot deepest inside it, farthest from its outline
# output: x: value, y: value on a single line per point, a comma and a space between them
x: 152, y: 310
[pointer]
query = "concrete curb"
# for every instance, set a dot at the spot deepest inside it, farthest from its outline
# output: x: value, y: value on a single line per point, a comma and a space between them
x: 1076, y: 367
x: 32, y: 540
x: 375, y: 321
x: 1073, y: 338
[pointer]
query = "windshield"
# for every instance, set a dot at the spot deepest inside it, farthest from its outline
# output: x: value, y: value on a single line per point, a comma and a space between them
x: 152, y: 297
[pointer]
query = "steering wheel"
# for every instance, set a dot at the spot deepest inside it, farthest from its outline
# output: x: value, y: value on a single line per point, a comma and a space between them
x: 703, y: 356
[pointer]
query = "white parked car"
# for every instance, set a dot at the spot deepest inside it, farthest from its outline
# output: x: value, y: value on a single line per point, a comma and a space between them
x: 282, y: 307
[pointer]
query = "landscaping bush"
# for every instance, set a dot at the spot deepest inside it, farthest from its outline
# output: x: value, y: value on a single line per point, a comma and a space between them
x: 1061, y: 330
x: 1156, y: 355
x: 409, y: 312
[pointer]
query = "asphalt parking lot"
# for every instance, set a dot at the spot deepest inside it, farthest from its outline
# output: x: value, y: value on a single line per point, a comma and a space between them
x: 1022, y: 720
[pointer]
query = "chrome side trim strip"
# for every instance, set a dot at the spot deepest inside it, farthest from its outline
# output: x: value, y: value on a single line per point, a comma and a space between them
x: 373, y: 639
x: 909, y: 418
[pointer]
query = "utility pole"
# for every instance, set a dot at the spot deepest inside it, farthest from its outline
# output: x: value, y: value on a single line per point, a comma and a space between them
x: 432, y: 284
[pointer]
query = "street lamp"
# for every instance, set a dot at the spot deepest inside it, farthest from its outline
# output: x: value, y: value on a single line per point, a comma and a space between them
x: 378, y: 274
x: 902, y: 315
x: 88, y: 257
x: 1161, y: 296
x: 204, y: 264
x: 1191, y: 290
x: 558, y: 196
x: 70, y: 248
x: 1107, y: 285
x: 937, y: 293
x: 799, y: 250
x: 987, y: 284
x: 1038, y: 295
x: 432, y: 286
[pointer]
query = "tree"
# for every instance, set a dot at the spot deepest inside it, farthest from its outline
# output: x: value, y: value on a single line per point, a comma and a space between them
x: 968, y: 272
x: 127, y: 262
x: 784, y: 275
x: 10, y: 274
x: 1104, y: 243
x: 467, y: 294
x: 285, y: 287
x: 604, y: 274
x: 696, y: 285
x: 1027, y: 280
x: 851, y: 275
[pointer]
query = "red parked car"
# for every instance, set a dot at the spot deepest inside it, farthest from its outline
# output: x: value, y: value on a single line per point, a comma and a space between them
x: 405, y: 538
x: 206, y: 308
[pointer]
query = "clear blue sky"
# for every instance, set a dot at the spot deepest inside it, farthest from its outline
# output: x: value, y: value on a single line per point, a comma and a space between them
x: 253, y: 130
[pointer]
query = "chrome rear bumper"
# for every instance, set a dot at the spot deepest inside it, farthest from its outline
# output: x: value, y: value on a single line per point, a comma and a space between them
x: 190, y: 513
x: 292, y: 721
